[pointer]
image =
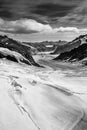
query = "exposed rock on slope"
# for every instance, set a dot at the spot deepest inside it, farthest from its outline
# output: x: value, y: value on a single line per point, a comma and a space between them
x: 66, y: 47
x: 12, y: 56
x: 71, y: 45
x: 17, y: 47
x: 45, y: 46
x: 41, y: 47
x: 78, y: 53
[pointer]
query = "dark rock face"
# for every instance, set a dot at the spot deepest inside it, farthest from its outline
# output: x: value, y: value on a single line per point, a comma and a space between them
x: 18, y: 47
x: 78, y: 53
x: 9, y: 57
x: 70, y: 45
x: 67, y: 47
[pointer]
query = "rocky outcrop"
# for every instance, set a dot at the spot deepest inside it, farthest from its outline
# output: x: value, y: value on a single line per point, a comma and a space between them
x: 15, y: 46
x: 78, y: 53
x: 8, y: 57
x: 70, y: 45
x: 66, y: 47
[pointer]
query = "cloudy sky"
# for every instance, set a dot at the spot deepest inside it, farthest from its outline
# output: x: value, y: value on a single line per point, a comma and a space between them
x: 38, y: 20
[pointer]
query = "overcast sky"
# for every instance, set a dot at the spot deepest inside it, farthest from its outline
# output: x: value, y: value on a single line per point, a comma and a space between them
x: 38, y: 20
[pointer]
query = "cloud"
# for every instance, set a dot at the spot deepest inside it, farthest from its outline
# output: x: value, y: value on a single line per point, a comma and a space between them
x: 77, y: 17
x: 16, y: 9
x: 24, y: 26
x: 52, y: 10
x: 29, y: 26
x: 13, y: 10
x: 65, y: 29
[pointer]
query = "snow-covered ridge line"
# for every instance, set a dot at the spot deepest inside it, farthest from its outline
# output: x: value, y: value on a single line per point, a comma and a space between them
x: 18, y: 47
x: 75, y: 51
x: 13, y: 56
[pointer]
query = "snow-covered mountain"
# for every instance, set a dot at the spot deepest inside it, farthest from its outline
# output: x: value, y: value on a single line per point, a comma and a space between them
x: 52, y: 97
x: 75, y: 50
x: 16, y: 51
x: 45, y: 46
x: 71, y: 45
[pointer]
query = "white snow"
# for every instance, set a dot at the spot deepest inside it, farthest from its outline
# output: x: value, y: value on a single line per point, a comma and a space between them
x: 34, y: 98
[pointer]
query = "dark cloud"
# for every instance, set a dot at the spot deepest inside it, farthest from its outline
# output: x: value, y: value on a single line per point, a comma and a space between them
x: 15, y: 9
x: 77, y: 17
x: 4, y: 10
x: 58, y: 12
x: 6, y: 14
x: 18, y: 31
x: 52, y: 10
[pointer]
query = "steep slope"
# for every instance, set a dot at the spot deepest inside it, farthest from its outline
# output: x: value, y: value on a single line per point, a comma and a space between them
x: 71, y: 45
x: 18, y: 47
x: 76, y: 54
x: 12, y: 56
x: 66, y: 47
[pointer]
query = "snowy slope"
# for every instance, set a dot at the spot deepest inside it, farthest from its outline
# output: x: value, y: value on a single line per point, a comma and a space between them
x: 33, y: 98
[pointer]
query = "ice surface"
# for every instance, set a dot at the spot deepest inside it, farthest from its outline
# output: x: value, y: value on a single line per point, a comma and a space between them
x: 50, y: 98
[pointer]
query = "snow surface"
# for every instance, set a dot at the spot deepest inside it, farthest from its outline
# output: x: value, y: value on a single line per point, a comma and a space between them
x: 50, y: 98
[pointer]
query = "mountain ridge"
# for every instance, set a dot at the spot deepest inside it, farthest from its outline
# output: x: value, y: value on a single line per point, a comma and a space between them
x: 70, y: 45
x: 18, y: 47
x: 77, y: 53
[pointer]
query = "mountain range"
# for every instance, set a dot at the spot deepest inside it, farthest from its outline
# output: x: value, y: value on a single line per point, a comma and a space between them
x: 22, y: 52
x: 16, y: 51
x: 75, y: 50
